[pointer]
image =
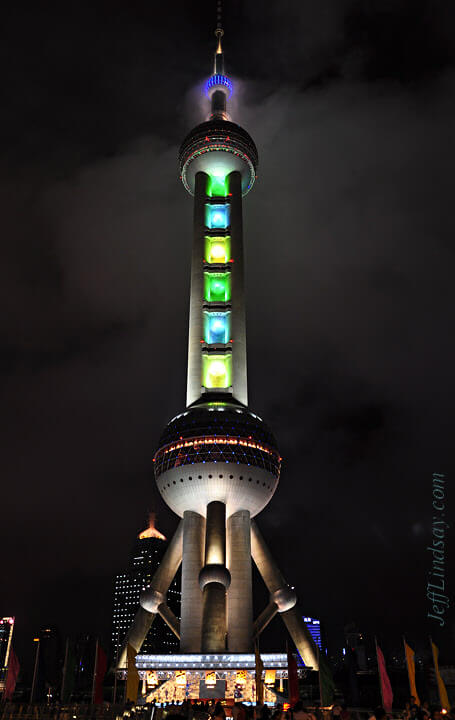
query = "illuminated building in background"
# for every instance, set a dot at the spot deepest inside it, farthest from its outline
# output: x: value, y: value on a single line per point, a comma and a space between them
x: 6, y: 636
x: 145, y: 558
x: 217, y: 465
x: 314, y: 627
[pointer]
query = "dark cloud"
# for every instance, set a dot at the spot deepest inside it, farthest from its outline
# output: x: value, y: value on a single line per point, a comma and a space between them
x: 349, y: 250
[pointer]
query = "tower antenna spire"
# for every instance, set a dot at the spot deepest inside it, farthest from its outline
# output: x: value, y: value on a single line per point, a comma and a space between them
x: 218, y: 65
x: 219, y: 32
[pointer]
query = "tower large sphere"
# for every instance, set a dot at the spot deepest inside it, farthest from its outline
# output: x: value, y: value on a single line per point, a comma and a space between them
x: 218, y: 147
x: 217, y: 451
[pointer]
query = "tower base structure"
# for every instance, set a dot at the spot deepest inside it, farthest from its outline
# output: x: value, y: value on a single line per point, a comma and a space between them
x: 199, y: 671
x: 229, y: 676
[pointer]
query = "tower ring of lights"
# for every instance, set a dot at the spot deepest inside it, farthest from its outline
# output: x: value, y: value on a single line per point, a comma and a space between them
x: 218, y: 148
x: 217, y: 451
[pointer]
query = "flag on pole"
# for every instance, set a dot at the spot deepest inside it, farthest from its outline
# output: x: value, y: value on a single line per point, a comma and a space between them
x: 386, y: 688
x: 410, y: 662
x: 132, y: 681
x: 441, y: 687
x: 259, y: 669
x: 100, y: 672
x: 11, y: 676
x: 293, y: 679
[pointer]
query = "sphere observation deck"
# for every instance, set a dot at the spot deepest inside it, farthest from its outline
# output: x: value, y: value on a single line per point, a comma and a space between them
x: 218, y: 147
x: 217, y: 451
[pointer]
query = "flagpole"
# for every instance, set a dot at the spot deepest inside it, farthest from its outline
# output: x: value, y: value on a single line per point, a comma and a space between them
x: 65, y: 669
x: 434, y: 665
x: 95, y: 668
x: 35, y: 672
x: 287, y: 656
x: 435, y: 671
x: 319, y: 676
x: 379, y: 670
x: 115, y: 674
x: 407, y: 664
x: 126, y: 679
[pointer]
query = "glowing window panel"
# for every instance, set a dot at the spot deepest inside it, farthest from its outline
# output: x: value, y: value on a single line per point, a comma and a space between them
x: 217, y: 217
x: 217, y: 287
x: 217, y: 327
x: 217, y: 249
x: 217, y: 183
x: 216, y: 371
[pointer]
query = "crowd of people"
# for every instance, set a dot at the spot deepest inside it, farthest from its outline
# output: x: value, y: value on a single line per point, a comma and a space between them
x: 211, y: 710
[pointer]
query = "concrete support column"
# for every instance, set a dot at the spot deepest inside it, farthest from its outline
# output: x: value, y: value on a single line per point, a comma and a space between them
x: 192, y: 562
x: 170, y: 619
x: 240, y: 595
x: 239, y: 370
x: 159, y: 586
x: 265, y: 563
x: 214, y: 580
x: 194, y: 376
x: 284, y: 597
x: 264, y: 618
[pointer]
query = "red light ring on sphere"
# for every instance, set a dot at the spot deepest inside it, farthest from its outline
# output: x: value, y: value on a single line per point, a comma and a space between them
x: 217, y: 147
x: 181, y: 453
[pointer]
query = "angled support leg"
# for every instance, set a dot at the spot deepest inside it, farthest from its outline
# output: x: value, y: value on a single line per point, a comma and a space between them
x: 264, y: 618
x: 169, y: 618
x: 153, y: 597
x: 284, y: 598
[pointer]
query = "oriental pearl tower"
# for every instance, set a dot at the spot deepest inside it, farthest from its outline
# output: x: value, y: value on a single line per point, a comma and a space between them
x: 217, y: 465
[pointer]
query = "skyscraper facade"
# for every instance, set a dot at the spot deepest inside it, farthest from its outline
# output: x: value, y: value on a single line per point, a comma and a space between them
x: 6, y: 636
x: 314, y: 627
x: 146, y: 556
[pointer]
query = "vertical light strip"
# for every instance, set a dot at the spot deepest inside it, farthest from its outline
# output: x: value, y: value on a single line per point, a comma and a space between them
x: 217, y: 368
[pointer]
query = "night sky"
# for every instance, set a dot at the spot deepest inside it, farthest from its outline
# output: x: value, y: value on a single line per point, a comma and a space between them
x: 349, y: 241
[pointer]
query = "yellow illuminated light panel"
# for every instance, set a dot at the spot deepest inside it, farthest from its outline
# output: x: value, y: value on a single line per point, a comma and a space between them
x: 217, y: 249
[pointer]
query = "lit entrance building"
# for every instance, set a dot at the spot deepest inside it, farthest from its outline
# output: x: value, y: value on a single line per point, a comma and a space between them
x: 176, y: 678
x: 217, y: 465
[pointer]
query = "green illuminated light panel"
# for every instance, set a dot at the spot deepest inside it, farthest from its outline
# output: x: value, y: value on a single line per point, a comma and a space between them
x: 217, y: 249
x: 216, y: 371
x: 217, y: 287
x: 217, y: 185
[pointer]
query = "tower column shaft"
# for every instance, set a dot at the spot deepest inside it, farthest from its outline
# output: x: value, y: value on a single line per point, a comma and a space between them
x: 194, y: 376
x: 239, y: 369
x: 213, y: 636
x: 240, y: 593
x: 215, y: 534
x: 192, y: 562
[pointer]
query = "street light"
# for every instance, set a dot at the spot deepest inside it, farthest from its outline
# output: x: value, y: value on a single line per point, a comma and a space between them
x: 35, y: 670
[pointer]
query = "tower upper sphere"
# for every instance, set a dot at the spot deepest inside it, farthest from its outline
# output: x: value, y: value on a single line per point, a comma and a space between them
x: 218, y: 146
